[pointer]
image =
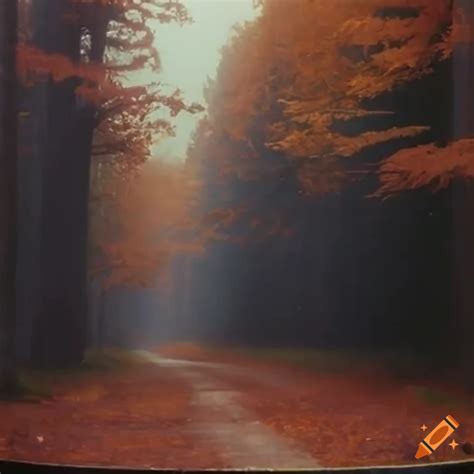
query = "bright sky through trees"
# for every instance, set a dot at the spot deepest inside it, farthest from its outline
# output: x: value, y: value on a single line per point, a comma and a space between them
x: 190, y: 54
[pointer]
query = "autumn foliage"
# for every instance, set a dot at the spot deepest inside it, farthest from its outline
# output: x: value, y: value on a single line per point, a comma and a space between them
x: 289, y: 87
x: 427, y: 165
x: 127, y: 122
x: 295, y: 80
x: 141, y: 224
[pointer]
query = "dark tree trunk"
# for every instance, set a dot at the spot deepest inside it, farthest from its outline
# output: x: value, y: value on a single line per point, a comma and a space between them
x: 102, y: 320
x: 8, y: 191
x: 60, y: 332
x: 60, y: 329
x: 92, y: 310
x: 30, y: 133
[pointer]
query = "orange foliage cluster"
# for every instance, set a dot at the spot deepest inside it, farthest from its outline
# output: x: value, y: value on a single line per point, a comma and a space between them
x: 128, y: 119
x: 150, y: 220
x: 34, y: 65
x: 129, y: 125
x: 129, y: 49
x: 290, y: 80
x: 156, y: 216
x: 426, y: 165
x: 297, y: 73
x: 135, y: 215
x: 430, y: 165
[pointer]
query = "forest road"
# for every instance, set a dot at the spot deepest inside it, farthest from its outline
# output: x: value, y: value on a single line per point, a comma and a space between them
x: 222, y: 422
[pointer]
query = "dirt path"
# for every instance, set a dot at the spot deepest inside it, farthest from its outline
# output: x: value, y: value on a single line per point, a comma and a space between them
x: 358, y: 417
x: 222, y: 422
x: 180, y: 412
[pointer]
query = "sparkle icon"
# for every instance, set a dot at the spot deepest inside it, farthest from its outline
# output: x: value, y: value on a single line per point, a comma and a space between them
x: 453, y: 444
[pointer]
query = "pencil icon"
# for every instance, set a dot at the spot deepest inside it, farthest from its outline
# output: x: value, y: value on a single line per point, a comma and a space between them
x: 437, y: 437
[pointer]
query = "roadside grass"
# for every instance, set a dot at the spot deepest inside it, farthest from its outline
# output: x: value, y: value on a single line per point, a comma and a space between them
x: 435, y: 396
x: 34, y: 385
x: 445, y: 399
x: 111, y: 359
x: 322, y: 361
x: 398, y: 365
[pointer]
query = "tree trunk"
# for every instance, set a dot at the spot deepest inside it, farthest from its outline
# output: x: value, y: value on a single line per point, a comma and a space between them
x: 8, y: 191
x: 92, y: 310
x: 102, y: 320
x: 60, y: 332
x: 60, y: 329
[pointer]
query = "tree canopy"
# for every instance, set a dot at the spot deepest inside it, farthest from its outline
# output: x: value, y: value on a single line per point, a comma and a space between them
x: 302, y: 81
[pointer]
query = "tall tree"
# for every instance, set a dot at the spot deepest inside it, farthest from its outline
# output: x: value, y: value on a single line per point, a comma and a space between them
x: 59, y: 328
x: 66, y: 56
x: 8, y: 191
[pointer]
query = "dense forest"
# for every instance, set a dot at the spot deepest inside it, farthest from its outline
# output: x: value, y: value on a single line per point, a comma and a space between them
x: 339, y: 138
x: 295, y: 290
x: 325, y: 198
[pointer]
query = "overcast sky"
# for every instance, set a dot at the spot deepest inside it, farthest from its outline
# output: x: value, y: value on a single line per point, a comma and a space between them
x: 190, y: 54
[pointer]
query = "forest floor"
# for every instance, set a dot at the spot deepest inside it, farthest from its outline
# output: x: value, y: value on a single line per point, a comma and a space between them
x: 189, y: 407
